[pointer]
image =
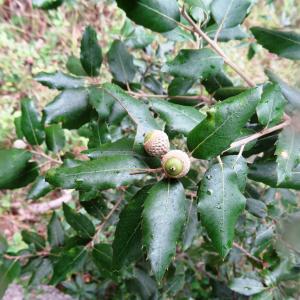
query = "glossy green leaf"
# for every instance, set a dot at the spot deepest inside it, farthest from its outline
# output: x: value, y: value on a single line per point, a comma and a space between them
x: 15, y: 169
x: 153, y: 85
x: 270, y: 109
x: 79, y: 222
x: 227, y: 34
x: 227, y: 92
x: 55, y: 230
x: 283, y: 43
x: 265, y: 171
x: 139, y: 38
x: 31, y: 123
x: 127, y: 243
x: 240, y: 167
x: 220, y: 204
x: 121, y: 63
x: 291, y: 94
x: 230, y: 13
x: 195, y: 64
x: 30, y: 237
x: 120, y: 147
x: 9, y: 271
x: 223, y: 124
x: 288, y: 153
x: 163, y: 218
x: 39, y: 189
x: 47, y: 4
x: 59, y: 80
x: 72, y: 114
x: 136, y: 110
x: 55, y: 138
x: 41, y: 272
x: 179, y: 118
x: 103, y: 173
x: 157, y: 15
x: 98, y: 134
x: 66, y: 263
x: 74, y: 66
x: 246, y: 286
x: 90, y: 52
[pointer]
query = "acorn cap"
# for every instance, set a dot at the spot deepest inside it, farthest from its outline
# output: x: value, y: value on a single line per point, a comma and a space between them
x: 176, y: 164
x: 156, y: 143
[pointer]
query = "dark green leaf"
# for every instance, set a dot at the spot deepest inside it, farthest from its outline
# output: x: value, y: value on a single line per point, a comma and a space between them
x: 230, y: 91
x: 282, y: 43
x: 90, y: 52
x: 47, y: 4
x: 121, y: 63
x: 74, y: 66
x: 213, y: 83
x: 15, y: 170
x: 79, y: 222
x: 142, y: 285
x: 266, y: 171
x: 39, y: 189
x: 288, y: 153
x: 72, y: 114
x: 9, y: 271
x: 128, y: 236
x: 163, y: 218
x: 270, y: 109
x: 31, y: 124
x: 246, y: 286
x: 157, y: 15
x: 256, y: 208
x: 180, y: 86
x: 179, y: 118
x: 220, y: 205
x: 291, y: 94
x: 56, y: 235
x: 102, y: 257
x: 191, y: 227
x: 41, y: 272
x: 137, y: 111
x: 98, y: 134
x: 139, y: 38
x: 223, y: 124
x: 59, y: 80
x: 227, y: 34
x: 3, y: 244
x: 55, y: 138
x: 230, y: 13
x: 195, y: 64
x: 103, y: 173
x: 30, y: 237
x: 153, y: 85
x: 66, y: 263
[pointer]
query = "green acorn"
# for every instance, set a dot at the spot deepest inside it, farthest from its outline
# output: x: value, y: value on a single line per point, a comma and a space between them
x: 156, y: 143
x: 176, y: 164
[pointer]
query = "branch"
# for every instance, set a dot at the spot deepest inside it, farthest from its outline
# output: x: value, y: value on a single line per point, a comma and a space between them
x: 41, y: 208
x: 216, y: 47
x: 257, y: 135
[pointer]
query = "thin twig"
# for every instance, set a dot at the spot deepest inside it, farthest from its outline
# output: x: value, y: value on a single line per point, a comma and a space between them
x: 46, y: 156
x: 257, y: 135
x: 247, y: 253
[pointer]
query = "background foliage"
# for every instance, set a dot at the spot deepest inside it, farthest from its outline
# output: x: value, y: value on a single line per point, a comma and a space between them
x: 222, y: 235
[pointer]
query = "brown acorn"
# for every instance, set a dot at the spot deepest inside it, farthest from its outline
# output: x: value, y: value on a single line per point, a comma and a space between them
x: 156, y: 143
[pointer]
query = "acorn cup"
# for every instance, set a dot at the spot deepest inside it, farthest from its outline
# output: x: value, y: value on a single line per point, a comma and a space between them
x: 156, y: 143
x: 176, y: 164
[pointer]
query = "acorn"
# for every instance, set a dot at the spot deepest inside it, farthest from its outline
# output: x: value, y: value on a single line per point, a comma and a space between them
x: 176, y: 164
x: 156, y: 143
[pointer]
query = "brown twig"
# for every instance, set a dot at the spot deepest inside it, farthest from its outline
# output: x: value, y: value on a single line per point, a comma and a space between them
x: 249, y: 255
